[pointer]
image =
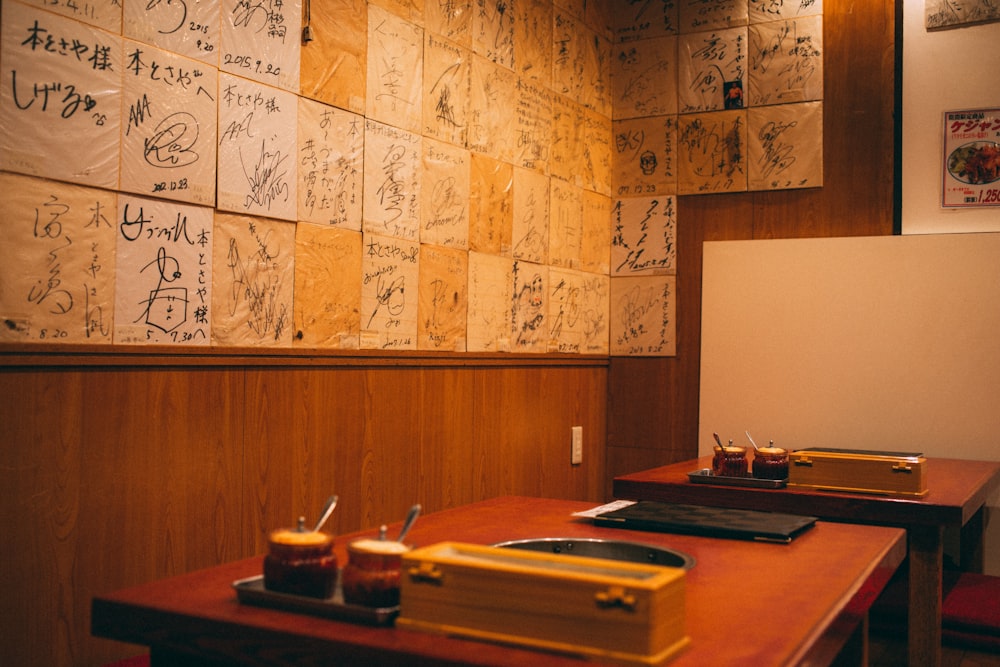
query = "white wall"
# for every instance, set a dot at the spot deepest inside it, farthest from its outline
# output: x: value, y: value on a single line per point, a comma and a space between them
x: 944, y: 70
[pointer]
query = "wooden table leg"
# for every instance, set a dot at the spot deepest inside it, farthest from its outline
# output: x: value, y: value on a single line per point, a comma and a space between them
x: 926, y: 552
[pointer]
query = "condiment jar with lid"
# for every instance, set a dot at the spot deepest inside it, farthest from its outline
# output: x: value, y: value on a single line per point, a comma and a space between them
x: 730, y: 461
x: 371, y: 576
x: 770, y: 462
x: 301, y: 562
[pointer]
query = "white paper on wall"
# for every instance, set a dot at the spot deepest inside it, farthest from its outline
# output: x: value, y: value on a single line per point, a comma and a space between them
x: 712, y: 154
x: 489, y: 302
x: 57, y: 262
x: 392, y: 181
x: 104, y: 14
x: 642, y: 316
x: 493, y: 32
x: 786, y: 61
x: 395, y: 70
x: 446, y: 82
x: 565, y: 224
x: 330, y: 165
x: 60, y: 104
x: 170, y: 130
x: 645, y: 78
x: 327, y: 287
x: 390, y: 276
x: 769, y: 10
x: 785, y: 146
x: 578, y: 311
x: 257, y: 172
x: 711, y: 72
x: 528, y: 307
x: 444, y: 298
x: 702, y: 15
x: 163, y: 286
x: 253, y: 267
x: 444, y: 205
x: 190, y: 28
x: 645, y: 156
x: 530, y: 235
x: 644, y: 236
x: 262, y: 41
x: 532, y: 126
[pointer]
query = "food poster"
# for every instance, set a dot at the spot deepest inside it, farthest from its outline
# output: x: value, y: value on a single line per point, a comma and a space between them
x: 578, y: 311
x: 644, y: 236
x: 257, y: 172
x: 971, y: 158
x: 254, y: 271
x: 61, y: 98
x: 395, y: 70
x: 785, y: 146
x: 191, y: 29
x: 170, y: 128
x: 444, y: 205
x: 163, y: 285
x: 642, y: 316
x: 327, y: 309
x: 392, y: 182
x: 390, y: 274
x: 261, y: 41
x: 443, y: 302
x: 330, y: 165
x: 57, y: 262
x: 490, y: 282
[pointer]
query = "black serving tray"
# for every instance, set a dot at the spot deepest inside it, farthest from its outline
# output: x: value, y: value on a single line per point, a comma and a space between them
x: 706, y: 476
x: 251, y: 591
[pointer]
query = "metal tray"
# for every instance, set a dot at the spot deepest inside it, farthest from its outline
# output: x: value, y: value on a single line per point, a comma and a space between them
x: 251, y: 591
x: 706, y: 476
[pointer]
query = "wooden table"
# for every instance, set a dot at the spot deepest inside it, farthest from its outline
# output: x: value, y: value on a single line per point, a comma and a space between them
x: 746, y: 602
x: 957, y: 492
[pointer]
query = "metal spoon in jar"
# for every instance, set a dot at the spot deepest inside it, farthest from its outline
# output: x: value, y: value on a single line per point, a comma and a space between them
x: 408, y: 523
x: 331, y: 502
x: 751, y: 439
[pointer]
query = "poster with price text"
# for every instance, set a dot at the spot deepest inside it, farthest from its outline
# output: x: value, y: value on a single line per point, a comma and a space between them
x: 971, y: 158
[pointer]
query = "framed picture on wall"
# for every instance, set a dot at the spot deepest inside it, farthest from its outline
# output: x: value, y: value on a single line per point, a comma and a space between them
x: 942, y: 14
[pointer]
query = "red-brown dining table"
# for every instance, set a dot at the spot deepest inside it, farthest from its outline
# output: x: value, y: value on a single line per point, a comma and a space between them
x: 957, y: 492
x: 746, y: 603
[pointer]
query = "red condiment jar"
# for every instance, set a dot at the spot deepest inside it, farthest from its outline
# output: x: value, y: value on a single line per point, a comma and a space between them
x: 730, y: 461
x: 300, y: 562
x: 371, y: 576
x: 770, y: 463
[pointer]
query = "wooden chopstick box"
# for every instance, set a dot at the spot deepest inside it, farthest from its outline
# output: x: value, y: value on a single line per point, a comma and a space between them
x: 618, y: 611
x: 862, y: 471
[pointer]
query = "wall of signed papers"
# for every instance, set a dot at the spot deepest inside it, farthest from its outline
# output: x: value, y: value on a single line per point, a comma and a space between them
x: 462, y: 176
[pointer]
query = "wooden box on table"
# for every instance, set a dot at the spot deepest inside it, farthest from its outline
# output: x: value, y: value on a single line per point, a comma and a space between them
x: 619, y: 611
x: 864, y: 471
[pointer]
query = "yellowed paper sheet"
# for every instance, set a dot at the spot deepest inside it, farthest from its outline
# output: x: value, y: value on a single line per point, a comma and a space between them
x: 491, y: 111
x: 163, y: 285
x: 644, y: 20
x: 330, y: 162
x: 443, y: 300
x: 532, y: 126
x: 596, y: 92
x: 491, y: 206
x: 171, y: 128
x: 335, y: 60
x: 444, y: 206
x: 711, y: 70
x: 253, y: 270
x: 490, y: 281
x: 642, y: 316
x: 529, y: 305
x: 702, y: 15
x: 450, y: 19
x: 190, y: 29
x: 645, y: 78
x: 712, y: 153
x: 565, y: 224
x: 257, y: 172
x: 104, y: 14
x: 327, y: 287
x: 644, y: 236
x: 595, y: 242
x: 392, y: 182
x: 595, y: 173
x: 568, y: 55
x: 447, y: 72
x: 395, y: 70
x: 578, y: 311
x: 60, y: 98
x: 493, y: 32
x: 567, y: 139
x: 390, y: 278
x: 411, y: 10
x: 786, y: 61
x: 644, y: 156
x: 785, y: 146
x: 533, y: 41
x: 261, y: 41
x: 531, y: 216
x: 762, y: 11
x: 57, y: 262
